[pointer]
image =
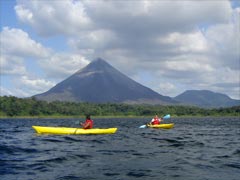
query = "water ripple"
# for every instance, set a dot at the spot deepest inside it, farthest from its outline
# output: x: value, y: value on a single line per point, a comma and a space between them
x: 199, y: 149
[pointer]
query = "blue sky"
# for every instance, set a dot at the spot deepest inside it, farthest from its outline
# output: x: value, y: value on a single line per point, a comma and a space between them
x: 169, y: 46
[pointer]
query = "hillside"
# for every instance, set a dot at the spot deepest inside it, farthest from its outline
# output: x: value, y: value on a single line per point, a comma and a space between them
x: 205, y: 98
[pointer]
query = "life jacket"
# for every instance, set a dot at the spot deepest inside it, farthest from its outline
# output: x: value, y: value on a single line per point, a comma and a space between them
x: 155, y: 121
x: 90, y: 124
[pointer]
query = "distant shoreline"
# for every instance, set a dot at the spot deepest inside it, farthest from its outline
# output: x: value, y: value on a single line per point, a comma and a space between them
x: 12, y: 107
x: 105, y: 117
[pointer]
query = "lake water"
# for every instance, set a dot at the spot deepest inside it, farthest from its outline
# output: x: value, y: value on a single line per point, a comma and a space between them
x: 195, y: 149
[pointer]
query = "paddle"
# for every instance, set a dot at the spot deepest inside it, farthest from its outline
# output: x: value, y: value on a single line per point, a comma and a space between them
x: 75, y: 131
x: 164, y: 117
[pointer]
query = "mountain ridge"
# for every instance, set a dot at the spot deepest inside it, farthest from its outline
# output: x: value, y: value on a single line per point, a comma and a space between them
x: 206, y: 98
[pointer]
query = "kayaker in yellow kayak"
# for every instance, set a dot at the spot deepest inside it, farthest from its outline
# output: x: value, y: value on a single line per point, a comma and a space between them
x: 156, y: 120
x: 88, y: 124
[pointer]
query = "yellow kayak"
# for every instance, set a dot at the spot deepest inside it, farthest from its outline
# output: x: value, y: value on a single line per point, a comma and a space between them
x: 164, y: 126
x: 68, y: 130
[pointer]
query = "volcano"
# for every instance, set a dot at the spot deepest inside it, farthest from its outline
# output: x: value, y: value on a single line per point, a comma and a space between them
x: 99, y: 82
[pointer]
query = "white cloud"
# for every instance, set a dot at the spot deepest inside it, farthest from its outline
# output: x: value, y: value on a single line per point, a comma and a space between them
x: 17, y: 42
x: 12, y: 65
x: 35, y: 85
x: 96, y: 40
x: 225, y: 42
x: 156, y: 15
x: 61, y: 65
x: 127, y: 19
x: 26, y: 86
x: 6, y: 92
x: 226, y: 75
x: 16, y: 47
x: 167, y: 88
x: 187, y: 65
x: 60, y: 17
x: 186, y: 43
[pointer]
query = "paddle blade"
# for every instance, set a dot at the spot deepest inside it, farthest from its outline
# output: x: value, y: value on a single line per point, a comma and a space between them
x: 77, y: 122
x: 142, y: 126
x: 167, y: 116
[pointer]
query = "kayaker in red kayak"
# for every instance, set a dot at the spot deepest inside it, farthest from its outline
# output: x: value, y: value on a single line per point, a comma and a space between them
x: 156, y: 120
x: 88, y: 124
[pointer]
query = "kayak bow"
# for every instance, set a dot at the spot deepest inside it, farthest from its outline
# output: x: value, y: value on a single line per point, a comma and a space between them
x: 68, y: 130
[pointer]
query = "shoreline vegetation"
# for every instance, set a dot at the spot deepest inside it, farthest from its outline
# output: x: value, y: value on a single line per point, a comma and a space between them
x: 104, y: 117
x: 13, y: 107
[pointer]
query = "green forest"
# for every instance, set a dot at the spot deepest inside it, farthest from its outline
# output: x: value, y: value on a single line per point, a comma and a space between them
x: 30, y: 107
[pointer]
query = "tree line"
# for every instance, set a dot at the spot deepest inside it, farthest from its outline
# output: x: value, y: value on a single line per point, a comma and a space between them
x: 15, y: 107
